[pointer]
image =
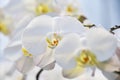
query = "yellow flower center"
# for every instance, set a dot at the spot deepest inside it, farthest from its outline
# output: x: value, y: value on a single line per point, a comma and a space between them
x: 86, y: 58
x: 71, y: 9
x: 3, y: 28
x: 42, y: 9
x: 26, y: 53
x: 53, y: 42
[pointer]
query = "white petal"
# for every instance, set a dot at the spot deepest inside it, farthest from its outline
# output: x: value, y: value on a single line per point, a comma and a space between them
x: 23, y: 23
x: 65, y: 51
x: 117, y: 33
x: 118, y: 52
x: 33, y: 38
x: 5, y: 66
x: 102, y: 43
x: 110, y: 76
x: 111, y: 65
x: 30, y: 4
x: 13, y: 51
x: 24, y: 64
x: 68, y: 24
x: 49, y: 66
x: 73, y: 72
x: 45, y: 60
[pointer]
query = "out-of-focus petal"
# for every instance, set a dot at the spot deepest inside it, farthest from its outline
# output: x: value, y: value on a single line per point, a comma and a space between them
x: 24, y: 64
x: 118, y: 52
x: 13, y: 51
x: 117, y: 33
x: 22, y: 24
x: 110, y: 75
x: 67, y: 24
x: 102, y: 43
x: 49, y: 66
x: 5, y: 67
x: 30, y: 4
x: 34, y: 35
x: 65, y: 51
x: 111, y: 65
x: 72, y: 73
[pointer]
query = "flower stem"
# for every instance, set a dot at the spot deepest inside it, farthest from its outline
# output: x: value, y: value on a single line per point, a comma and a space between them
x: 38, y: 74
x: 114, y: 28
x: 83, y: 18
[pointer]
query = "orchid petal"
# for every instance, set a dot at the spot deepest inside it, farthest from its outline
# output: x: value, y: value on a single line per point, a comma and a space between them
x: 111, y: 65
x: 13, y: 51
x: 34, y: 35
x: 65, y: 52
x: 44, y: 61
x: 68, y: 24
x: 72, y: 73
x: 24, y: 64
x: 102, y: 43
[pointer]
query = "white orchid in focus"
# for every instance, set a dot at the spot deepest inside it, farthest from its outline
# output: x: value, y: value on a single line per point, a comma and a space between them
x: 75, y: 53
x: 44, y: 33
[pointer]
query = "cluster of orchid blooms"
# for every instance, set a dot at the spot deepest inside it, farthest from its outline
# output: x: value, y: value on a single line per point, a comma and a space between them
x: 57, y: 32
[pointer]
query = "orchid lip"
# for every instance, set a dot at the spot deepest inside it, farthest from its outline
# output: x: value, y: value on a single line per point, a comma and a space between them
x: 53, y: 41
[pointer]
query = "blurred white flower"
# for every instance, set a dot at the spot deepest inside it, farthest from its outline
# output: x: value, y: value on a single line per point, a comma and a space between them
x: 74, y: 53
x: 14, y: 52
x: 6, y: 23
x: 44, y: 33
x: 39, y: 7
x: 68, y: 7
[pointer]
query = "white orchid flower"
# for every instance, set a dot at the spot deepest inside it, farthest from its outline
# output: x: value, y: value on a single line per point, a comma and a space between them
x: 38, y: 7
x: 55, y: 74
x: 74, y: 53
x: 44, y: 33
x: 14, y: 52
x: 6, y: 23
x: 69, y: 7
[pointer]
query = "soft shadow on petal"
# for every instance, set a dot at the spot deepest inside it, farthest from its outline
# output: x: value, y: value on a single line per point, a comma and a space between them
x: 46, y: 60
x: 25, y: 64
x: 49, y: 66
x: 30, y: 4
x: 73, y: 72
x: 118, y: 52
x: 110, y: 75
x: 34, y: 35
x: 65, y: 51
x: 102, y: 43
x: 110, y: 65
x: 67, y: 24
